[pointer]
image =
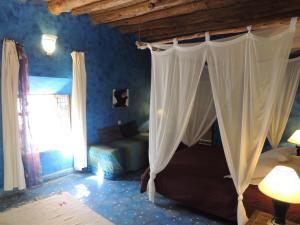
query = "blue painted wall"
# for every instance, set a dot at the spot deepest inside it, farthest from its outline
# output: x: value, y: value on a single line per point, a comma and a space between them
x: 112, y: 61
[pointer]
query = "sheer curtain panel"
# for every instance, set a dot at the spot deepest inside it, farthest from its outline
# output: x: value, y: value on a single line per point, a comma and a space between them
x: 245, y: 74
x: 203, y: 113
x: 284, y: 102
x: 175, y: 76
x: 13, y: 166
x: 30, y: 154
x: 78, y: 111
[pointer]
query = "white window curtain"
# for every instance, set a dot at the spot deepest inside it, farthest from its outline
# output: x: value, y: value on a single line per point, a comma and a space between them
x: 175, y: 76
x: 245, y: 74
x: 13, y: 166
x: 203, y: 113
x: 284, y: 102
x: 78, y: 111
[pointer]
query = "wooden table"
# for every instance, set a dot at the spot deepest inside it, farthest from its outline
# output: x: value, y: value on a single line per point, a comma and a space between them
x: 262, y: 218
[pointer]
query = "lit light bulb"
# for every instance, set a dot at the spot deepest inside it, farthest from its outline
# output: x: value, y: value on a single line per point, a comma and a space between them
x: 49, y: 43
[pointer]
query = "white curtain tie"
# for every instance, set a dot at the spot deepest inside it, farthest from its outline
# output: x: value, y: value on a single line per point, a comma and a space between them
x: 249, y: 28
x: 151, y: 187
x: 207, y: 36
x: 152, y: 176
x: 293, y: 23
x: 240, y: 198
x: 175, y: 41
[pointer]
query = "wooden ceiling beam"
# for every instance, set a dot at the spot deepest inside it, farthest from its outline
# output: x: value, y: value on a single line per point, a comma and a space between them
x: 103, y: 6
x: 213, y: 25
x: 263, y: 23
x: 57, y: 7
x: 215, y: 29
x: 175, y: 11
x: 207, y: 18
x: 256, y: 27
x: 137, y: 10
x: 233, y: 31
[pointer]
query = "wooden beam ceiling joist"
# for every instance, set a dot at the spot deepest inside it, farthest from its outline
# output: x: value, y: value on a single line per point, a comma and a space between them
x: 156, y: 20
x: 256, y: 27
x: 176, y: 11
x: 213, y: 26
x: 103, y: 6
x: 214, y: 29
x: 136, y: 10
x: 57, y: 7
x: 235, y: 30
x: 207, y: 20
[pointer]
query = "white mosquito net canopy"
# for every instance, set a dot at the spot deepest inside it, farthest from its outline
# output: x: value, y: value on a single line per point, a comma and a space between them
x: 241, y: 87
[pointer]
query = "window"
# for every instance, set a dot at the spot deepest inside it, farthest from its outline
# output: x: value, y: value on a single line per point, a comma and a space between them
x: 49, y: 120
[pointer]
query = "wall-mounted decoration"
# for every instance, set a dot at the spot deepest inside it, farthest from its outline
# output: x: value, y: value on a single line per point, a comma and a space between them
x: 120, y: 98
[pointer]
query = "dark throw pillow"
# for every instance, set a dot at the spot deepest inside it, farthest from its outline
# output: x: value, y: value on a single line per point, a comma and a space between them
x: 129, y: 129
x: 109, y: 134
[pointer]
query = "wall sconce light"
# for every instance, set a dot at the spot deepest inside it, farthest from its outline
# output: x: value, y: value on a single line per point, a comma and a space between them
x: 49, y: 43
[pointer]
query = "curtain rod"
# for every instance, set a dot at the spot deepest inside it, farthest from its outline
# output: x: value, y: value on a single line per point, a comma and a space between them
x: 258, y: 26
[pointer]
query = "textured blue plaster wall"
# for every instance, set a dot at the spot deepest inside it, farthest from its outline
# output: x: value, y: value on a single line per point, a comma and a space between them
x: 112, y: 61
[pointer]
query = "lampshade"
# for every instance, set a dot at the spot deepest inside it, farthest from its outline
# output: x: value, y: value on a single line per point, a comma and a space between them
x: 295, y: 138
x: 49, y: 43
x: 283, y: 184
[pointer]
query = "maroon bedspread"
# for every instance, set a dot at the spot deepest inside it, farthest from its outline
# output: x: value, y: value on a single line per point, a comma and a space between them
x: 194, y: 177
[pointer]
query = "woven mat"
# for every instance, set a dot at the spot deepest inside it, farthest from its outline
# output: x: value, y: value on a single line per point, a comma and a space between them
x: 60, y: 209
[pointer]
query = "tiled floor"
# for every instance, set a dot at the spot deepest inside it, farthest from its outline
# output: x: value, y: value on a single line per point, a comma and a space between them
x: 119, y: 201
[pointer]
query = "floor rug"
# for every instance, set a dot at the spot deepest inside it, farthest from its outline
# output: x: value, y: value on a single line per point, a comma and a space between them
x: 60, y: 209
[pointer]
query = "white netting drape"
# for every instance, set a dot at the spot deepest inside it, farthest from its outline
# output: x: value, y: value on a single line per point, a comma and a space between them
x: 284, y: 102
x: 245, y: 73
x: 203, y: 113
x: 175, y: 77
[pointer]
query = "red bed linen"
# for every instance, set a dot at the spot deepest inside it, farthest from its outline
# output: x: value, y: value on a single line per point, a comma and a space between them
x: 195, y: 177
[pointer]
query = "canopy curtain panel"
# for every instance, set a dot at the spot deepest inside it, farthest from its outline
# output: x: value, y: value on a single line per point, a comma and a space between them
x: 13, y: 166
x: 284, y: 102
x: 175, y: 77
x: 245, y: 73
x: 203, y: 113
x: 78, y: 111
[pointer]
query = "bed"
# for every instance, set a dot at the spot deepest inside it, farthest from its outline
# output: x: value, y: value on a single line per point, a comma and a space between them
x: 195, y: 177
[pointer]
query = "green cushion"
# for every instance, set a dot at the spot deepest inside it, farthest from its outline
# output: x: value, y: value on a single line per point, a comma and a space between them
x: 136, y: 153
x: 106, y: 158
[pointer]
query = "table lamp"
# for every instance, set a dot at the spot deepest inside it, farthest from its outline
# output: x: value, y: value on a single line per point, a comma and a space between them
x: 295, y: 139
x: 282, y: 184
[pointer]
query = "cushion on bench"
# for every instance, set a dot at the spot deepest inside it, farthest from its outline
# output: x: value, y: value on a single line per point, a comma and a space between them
x: 122, y: 149
x: 136, y: 153
x: 107, y: 159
